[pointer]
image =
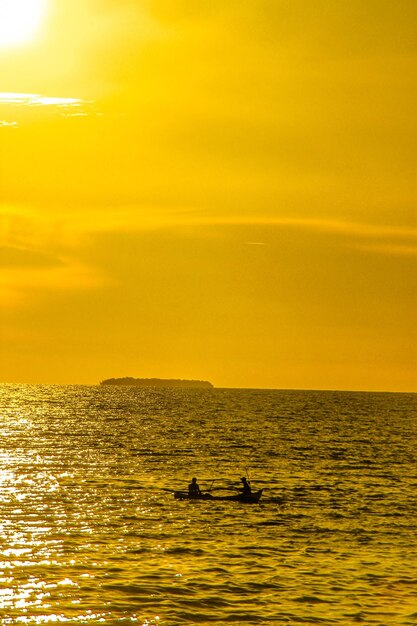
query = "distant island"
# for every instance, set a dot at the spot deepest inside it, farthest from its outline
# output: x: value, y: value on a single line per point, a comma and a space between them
x: 157, y: 382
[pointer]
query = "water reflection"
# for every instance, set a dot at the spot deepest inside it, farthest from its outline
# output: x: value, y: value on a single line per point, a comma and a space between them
x: 89, y: 534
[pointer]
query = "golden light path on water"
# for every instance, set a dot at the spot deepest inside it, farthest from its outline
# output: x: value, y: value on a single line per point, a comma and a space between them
x: 92, y: 535
x: 32, y: 537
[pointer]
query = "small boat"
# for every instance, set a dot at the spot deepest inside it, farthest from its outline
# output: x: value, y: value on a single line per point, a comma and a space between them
x: 254, y: 497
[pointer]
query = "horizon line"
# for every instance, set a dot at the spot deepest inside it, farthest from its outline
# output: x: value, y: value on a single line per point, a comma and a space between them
x: 215, y: 387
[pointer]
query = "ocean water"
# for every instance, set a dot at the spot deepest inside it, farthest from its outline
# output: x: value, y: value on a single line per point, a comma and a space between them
x: 91, y: 533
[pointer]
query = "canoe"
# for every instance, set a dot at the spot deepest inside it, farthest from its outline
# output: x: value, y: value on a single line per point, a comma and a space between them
x: 254, y: 497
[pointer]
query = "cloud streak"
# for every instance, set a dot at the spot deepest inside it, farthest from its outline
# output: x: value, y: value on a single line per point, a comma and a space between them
x: 14, y: 102
x: 71, y: 227
x: 38, y: 254
x: 35, y: 99
x: 18, y: 284
x: 19, y: 257
x: 382, y: 239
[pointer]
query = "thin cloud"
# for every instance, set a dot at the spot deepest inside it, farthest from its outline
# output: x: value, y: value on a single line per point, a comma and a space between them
x: 371, y: 237
x: 390, y: 249
x: 14, y: 102
x: 35, y: 99
x: 12, y: 256
x: 392, y: 240
x: 38, y: 255
x: 112, y: 218
x: 19, y: 283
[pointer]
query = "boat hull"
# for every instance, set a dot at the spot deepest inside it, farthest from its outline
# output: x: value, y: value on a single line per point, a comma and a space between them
x: 253, y: 498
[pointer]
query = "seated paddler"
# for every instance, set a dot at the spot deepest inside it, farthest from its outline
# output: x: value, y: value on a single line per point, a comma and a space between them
x: 246, y: 489
x: 194, y: 489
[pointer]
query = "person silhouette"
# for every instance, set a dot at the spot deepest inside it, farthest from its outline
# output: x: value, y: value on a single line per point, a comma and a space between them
x: 246, y: 489
x: 193, y: 489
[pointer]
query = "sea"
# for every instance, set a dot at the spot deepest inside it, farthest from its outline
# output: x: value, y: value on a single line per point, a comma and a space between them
x: 90, y: 532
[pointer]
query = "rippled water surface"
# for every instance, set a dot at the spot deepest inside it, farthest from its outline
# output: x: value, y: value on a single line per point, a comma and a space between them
x: 91, y: 533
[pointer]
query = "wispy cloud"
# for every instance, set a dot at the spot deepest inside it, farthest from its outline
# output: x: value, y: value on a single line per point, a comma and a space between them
x: 370, y: 237
x: 20, y: 257
x: 376, y: 238
x: 13, y: 102
x: 391, y: 249
x: 38, y: 254
x: 43, y: 250
x: 343, y: 227
x: 34, y: 99
x: 19, y: 283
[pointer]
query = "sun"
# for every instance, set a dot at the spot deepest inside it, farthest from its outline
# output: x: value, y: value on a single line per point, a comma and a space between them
x: 19, y: 20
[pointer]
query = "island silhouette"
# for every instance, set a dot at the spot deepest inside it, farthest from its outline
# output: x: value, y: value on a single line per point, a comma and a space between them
x: 157, y: 382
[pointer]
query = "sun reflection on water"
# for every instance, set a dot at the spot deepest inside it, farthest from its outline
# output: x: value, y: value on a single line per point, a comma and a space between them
x: 88, y: 535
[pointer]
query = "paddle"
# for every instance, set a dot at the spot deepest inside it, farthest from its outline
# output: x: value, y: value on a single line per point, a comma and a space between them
x: 221, y: 488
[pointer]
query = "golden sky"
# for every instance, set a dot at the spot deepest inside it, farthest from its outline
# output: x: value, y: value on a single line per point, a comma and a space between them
x: 221, y: 189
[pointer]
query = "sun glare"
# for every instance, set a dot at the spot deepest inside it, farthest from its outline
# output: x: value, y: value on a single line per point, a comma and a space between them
x: 19, y: 20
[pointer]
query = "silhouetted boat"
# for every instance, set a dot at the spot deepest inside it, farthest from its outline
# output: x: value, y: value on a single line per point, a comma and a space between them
x: 254, y: 497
